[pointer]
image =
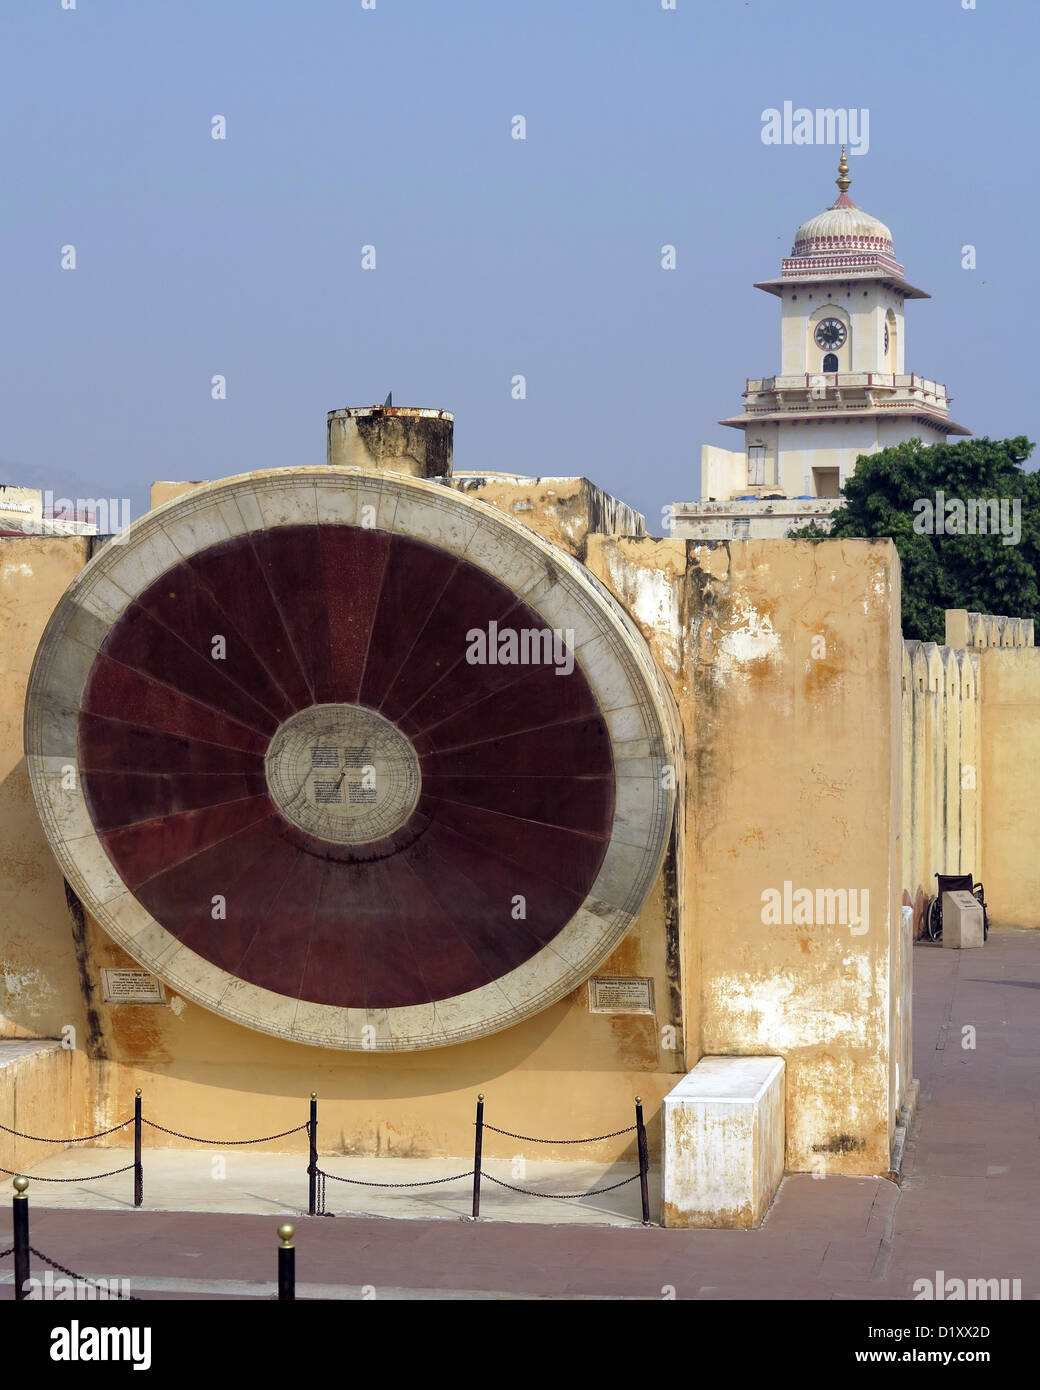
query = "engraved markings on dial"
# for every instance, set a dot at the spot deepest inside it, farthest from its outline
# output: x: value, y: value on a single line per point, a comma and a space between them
x: 343, y: 773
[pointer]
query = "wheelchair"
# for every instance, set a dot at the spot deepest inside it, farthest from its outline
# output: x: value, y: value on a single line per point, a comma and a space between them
x: 954, y: 883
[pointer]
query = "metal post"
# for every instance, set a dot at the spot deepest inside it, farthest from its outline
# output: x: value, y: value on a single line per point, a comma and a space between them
x: 644, y: 1160
x: 312, y: 1165
x: 20, y: 1221
x: 138, y: 1166
x: 286, y: 1266
x: 478, y: 1145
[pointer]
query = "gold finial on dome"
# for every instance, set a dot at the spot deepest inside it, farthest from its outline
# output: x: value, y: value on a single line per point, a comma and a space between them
x: 843, y: 179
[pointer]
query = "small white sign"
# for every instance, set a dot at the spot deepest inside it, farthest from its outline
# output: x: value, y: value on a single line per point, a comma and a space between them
x: 616, y: 994
x: 131, y: 987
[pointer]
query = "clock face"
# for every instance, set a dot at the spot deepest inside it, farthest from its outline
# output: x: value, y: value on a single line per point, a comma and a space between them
x: 830, y: 333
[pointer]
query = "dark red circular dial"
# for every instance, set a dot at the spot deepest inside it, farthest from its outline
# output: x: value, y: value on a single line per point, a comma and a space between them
x: 485, y: 863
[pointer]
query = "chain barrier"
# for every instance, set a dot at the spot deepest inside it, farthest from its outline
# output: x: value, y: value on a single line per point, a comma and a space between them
x: 360, y: 1182
x: 531, y: 1139
x: 639, y: 1129
x: 227, y: 1143
x: 91, y: 1177
x: 4, y: 1253
x: 78, y: 1139
x: 320, y: 1176
x: 563, y: 1196
x: 81, y: 1278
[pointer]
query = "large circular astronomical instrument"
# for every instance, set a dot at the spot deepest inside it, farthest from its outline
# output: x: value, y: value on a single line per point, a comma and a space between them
x: 350, y: 758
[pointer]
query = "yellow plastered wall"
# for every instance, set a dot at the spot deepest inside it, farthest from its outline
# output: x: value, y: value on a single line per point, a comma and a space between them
x: 970, y: 749
x: 941, y: 796
x: 44, y: 1091
x: 39, y: 989
x: 165, y: 492
x: 785, y: 662
x: 1010, y: 783
x: 967, y: 784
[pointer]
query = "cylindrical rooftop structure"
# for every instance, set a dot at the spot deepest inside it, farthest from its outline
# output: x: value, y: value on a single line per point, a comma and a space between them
x: 398, y: 438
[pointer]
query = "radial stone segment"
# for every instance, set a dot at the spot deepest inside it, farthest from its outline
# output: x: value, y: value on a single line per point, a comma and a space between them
x: 350, y: 758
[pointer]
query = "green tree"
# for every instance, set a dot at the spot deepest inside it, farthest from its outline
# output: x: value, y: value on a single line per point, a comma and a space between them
x: 918, y: 494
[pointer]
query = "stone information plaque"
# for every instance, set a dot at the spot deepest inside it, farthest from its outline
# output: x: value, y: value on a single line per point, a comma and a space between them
x: 131, y: 987
x: 620, y: 995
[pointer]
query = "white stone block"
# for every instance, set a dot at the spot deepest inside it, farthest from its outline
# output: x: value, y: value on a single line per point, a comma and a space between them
x: 723, y: 1143
x: 961, y: 920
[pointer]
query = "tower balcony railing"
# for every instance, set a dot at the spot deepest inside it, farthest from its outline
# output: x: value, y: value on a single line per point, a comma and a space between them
x: 889, y: 385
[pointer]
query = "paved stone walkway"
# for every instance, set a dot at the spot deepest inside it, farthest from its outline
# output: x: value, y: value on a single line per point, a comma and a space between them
x: 967, y: 1204
x: 238, y: 1180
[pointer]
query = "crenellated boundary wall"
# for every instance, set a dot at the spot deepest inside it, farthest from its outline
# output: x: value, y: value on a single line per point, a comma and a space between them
x: 971, y: 764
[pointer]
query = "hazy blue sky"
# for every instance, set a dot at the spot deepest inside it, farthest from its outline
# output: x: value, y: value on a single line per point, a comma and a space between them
x: 495, y: 256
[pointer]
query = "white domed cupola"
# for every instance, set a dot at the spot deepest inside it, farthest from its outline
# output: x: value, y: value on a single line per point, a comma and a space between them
x: 843, y: 230
x: 843, y: 387
x: 840, y: 244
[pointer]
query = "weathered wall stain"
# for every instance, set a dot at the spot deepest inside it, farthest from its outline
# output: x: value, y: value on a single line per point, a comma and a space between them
x: 94, y: 1041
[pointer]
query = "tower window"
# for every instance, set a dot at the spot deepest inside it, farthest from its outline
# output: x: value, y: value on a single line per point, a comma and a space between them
x: 756, y: 464
x: 827, y: 482
x: 830, y: 362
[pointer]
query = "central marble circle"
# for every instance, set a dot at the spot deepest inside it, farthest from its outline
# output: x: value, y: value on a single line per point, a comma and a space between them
x: 343, y: 773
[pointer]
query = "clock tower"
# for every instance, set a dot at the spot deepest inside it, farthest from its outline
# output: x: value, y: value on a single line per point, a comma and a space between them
x: 842, y: 389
